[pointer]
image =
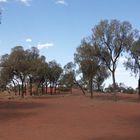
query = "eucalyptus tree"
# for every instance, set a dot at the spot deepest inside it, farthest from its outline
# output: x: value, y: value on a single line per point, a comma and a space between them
x: 88, y: 61
x: 5, y: 72
x: 41, y: 71
x: 19, y: 66
x: 133, y: 61
x: 113, y: 38
x: 54, y: 74
x: 7, y: 75
x: 12, y: 65
x: 69, y: 68
x: 69, y: 76
x: 101, y: 75
x: 36, y: 67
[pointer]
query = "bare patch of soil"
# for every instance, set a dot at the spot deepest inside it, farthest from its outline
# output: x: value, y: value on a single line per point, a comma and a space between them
x: 70, y: 117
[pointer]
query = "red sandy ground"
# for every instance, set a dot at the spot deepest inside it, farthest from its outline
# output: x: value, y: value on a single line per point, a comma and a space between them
x: 70, y: 117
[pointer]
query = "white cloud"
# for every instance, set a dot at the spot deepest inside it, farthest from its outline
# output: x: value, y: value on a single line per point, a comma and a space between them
x: 25, y: 2
x: 3, y: 1
x: 46, y: 45
x: 63, y: 2
x: 28, y: 40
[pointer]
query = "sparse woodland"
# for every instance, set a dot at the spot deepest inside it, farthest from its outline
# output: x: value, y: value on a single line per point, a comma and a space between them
x: 95, y: 59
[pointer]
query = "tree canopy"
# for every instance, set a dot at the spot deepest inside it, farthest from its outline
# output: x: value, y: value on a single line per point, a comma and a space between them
x: 113, y: 38
x: 25, y: 67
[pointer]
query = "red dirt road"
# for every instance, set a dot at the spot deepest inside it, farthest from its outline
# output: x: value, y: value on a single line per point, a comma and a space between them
x: 69, y: 118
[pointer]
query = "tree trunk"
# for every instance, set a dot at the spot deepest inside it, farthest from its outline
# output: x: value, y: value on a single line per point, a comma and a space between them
x: 55, y: 88
x: 22, y: 88
x: 51, y: 89
x: 46, y: 91
x: 18, y: 86
x: 80, y: 86
x: 38, y: 86
x: 31, y: 93
x: 91, y: 87
x: 18, y: 89
x: 25, y: 89
x: 98, y: 87
x: 46, y: 87
x: 42, y: 88
x: 71, y: 89
x: 14, y: 87
x: 114, y: 85
x: 139, y: 88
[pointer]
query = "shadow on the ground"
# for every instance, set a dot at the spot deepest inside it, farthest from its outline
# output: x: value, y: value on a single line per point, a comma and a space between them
x: 16, y: 110
x: 7, y: 105
x: 50, y: 96
x: 118, y: 97
x: 116, y: 137
x: 6, y: 116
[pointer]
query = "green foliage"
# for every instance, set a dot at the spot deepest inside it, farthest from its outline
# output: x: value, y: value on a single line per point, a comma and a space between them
x: 122, y: 88
x: 113, y: 38
x: 109, y: 41
x: 133, y: 61
x: 90, y: 64
x: 101, y: 75
x: 27, y: 66
x: 68, y: 76
x: 133, y: 58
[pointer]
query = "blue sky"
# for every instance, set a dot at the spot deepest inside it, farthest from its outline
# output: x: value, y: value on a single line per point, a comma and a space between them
x: 57, y: 27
